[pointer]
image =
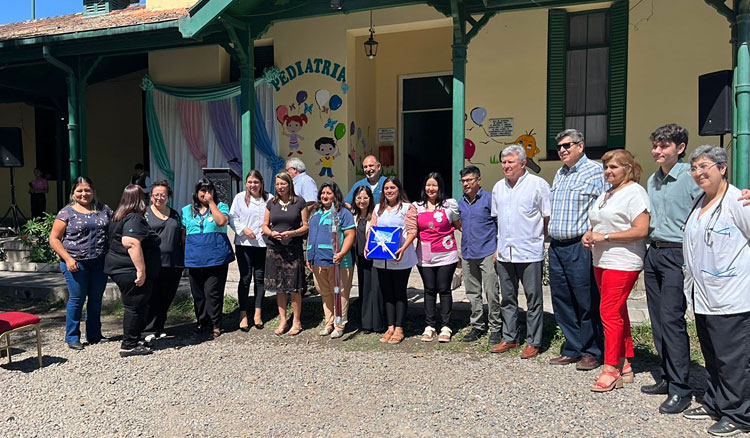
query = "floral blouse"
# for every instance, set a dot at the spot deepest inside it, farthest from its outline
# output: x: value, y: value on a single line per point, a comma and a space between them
x: 85, y: 235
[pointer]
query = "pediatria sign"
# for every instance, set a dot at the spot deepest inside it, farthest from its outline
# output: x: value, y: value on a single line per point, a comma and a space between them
x: 313, y: 65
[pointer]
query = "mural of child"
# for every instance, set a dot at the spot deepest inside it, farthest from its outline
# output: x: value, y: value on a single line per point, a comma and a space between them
x: 294, y: 124
x: 326, y: 146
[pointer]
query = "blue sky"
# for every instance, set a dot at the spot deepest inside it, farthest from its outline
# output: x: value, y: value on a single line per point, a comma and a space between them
x: 20, y: 10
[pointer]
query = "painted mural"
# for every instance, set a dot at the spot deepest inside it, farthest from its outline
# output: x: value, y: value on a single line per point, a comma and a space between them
x: 481, y: 142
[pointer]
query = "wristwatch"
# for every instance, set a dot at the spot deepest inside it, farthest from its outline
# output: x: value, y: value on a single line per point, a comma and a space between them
x: 606, y: 237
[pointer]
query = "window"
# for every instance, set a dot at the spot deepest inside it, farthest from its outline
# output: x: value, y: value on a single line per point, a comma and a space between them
x: 587, y: 76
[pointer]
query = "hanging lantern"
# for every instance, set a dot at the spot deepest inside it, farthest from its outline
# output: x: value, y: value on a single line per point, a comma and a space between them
x: 371, y: 46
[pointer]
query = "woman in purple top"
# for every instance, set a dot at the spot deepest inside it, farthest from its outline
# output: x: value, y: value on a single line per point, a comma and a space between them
x: 79, y: 237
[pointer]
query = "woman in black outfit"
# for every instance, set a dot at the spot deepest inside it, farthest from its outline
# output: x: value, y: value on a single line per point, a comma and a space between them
x: 133, y: 262
x: 372, y: 311
x: 167, y: 224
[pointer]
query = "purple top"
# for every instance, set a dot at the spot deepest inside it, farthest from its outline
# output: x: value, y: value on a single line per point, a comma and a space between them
x: 85, y: 235
x: 480, y: 229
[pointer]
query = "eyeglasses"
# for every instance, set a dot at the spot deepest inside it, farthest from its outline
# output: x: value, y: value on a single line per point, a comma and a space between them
x: 160, y: 196
x: 703, y: 168
x: 468, y: 180
x: 567, y: 145
x: 361, y: 199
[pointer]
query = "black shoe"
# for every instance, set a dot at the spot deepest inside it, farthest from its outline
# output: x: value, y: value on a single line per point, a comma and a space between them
x: 725, y: 427
x: 137, y: 351
x: 75, y: 345
x: 699, y: 413
x: 99, y: 341
x: 473, y: 335
x: 366, y: 331
x: 674, y: 404
x: 659, y: 388
x: 495, y: 338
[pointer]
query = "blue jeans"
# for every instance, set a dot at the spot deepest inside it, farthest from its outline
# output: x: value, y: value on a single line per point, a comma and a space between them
x: 89, y: 281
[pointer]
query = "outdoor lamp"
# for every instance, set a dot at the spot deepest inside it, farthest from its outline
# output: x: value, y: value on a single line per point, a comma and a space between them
x: 371, y: 46
x: 337, y: 4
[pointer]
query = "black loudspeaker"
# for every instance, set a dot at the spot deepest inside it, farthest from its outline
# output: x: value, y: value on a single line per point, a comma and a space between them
x: 11, y: 147
x: 715, y: 103
x: 222, y: 179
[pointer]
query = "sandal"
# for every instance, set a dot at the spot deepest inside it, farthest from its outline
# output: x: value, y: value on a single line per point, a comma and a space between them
x: 428, y: 335
x: 387, y: 335
x: 397, y: 337
x: 280, y: 330
x: 598, y: 386
x: 445, y: 334
x: 627, y: 373
x: 294, y: 331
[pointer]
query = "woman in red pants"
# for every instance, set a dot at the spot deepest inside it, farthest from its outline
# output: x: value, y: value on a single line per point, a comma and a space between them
x: 617, y: 239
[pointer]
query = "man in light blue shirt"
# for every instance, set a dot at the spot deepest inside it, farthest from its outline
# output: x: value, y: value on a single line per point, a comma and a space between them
x: 672, y: 193
x: 373, y: 178
x: 304, y: 185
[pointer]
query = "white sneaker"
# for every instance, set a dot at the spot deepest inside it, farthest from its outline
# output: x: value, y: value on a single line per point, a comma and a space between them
x: 149, y: 338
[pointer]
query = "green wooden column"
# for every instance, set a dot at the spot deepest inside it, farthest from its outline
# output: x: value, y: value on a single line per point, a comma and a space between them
x: 741, y: 175
x: 459, y: 96
x: 243, y: 50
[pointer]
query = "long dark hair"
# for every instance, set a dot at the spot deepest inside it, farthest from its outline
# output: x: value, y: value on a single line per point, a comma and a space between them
x: 338, y: 198
x: 203, y: 183
x: 257, y: 175
x: 370, y: 206
x: 133, y: 200
x: 95, y: 205
x: 401, y: 194
x: 441, y: 190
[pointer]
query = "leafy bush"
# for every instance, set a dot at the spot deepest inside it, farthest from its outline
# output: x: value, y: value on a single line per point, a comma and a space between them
x: 35, y: 237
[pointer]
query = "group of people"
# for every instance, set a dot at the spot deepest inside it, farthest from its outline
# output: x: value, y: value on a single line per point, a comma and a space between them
x: 596, y: 217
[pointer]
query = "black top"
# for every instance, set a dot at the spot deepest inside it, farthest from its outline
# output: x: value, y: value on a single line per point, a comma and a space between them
x: 361, y: 241
x: 170, y: 232
x: 118, y: 260
x: 285, y: 220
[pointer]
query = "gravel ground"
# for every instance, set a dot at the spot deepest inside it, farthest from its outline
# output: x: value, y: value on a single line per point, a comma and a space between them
x: 257, y: 384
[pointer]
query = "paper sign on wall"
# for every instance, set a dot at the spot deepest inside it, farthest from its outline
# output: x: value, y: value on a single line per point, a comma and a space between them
x: 386, y: 136
x: 501, y: 127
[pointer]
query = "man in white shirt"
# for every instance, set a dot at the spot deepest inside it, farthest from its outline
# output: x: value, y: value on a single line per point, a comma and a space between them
x: 304, y: 185
x: 521, y: 204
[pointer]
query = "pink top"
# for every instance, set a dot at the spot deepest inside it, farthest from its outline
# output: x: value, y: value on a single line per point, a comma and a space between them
x: 40, y: 185
x: 437, y: 243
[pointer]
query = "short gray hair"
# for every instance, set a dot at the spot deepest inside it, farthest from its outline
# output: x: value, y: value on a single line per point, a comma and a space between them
x: 710, y: 152
x: 574, y: 134
x: 296, y: 163
x: 514, y: 149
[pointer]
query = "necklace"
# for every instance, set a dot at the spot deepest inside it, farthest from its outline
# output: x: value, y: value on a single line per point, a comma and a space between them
x: 284, y: 205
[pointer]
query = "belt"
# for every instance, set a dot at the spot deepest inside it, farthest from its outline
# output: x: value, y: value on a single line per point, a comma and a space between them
x: 658, y: 244
x: 569, y: 241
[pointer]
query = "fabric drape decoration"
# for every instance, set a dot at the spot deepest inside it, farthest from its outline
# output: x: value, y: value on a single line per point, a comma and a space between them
x: 226, y: 132
x: 192, y: 125
x: 193, y: 128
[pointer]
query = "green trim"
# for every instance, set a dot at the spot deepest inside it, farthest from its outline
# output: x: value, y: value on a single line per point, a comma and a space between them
x: 202, y: 16
x: 459, y: 98
x: 114, y: 31
x: 557, y: 47
x: 618, y: 74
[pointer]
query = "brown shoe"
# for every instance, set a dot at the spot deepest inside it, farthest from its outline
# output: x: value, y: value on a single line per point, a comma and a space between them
x: 587, y: 363
x: 529, y: 352
x: 563, y: 360
x: 387, y: 335
x: 504, y: 346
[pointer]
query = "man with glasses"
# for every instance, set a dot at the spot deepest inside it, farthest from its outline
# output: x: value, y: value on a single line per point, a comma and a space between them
x: 575, y: 297
x: 304, y: 186
x: 672, y: 192
x: 373, y: 178
x: 478, y: 245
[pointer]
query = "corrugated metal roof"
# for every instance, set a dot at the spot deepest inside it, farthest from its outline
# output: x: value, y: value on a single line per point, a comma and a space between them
x: 65, y: 24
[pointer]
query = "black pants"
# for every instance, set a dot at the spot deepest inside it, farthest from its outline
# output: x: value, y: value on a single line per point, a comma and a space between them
x: 38, y: 204
x: 251, y: 260
x: 437, y: 281
x: 135, y: 302
x: 725, y: 347
x: 373, y: 312
x: 666, y: 308
x: 164, y: 291
x: 393, y: 284
x: 207, y: 286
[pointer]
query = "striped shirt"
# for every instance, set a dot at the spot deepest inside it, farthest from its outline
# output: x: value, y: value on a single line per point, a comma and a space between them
x: 572, y: 194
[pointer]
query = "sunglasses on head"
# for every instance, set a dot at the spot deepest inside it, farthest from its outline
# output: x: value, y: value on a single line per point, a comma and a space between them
x: 566, y: 145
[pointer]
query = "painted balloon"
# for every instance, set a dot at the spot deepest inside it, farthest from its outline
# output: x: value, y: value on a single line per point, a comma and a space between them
x: 351, y: 128
x: 340, y: 131
x: 281, y: 112
x: 321, y: 97
x: 301, y: 96
x: 478, y: 114
x: 469, y: 148
x: 335, y: 102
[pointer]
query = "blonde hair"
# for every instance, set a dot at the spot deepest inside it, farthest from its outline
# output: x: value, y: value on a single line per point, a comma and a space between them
x: 626, y: 159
